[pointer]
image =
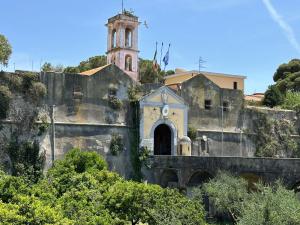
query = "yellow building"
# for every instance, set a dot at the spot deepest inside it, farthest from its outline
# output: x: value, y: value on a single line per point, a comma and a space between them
x: 163, y: 123
x: 222, y: 80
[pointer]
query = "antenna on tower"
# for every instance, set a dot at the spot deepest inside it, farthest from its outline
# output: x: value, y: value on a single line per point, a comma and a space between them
x: 122, y: 6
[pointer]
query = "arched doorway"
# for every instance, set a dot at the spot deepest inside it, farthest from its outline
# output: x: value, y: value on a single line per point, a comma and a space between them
x: 162, y: 140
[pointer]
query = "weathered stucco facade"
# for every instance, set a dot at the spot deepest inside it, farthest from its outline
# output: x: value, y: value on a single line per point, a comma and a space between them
x: 164, y: 107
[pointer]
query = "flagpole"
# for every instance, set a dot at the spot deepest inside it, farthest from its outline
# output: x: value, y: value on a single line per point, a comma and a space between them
x: 161, y: 50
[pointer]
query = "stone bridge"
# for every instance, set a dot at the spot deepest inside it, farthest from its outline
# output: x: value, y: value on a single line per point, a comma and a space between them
x: 188, y: 171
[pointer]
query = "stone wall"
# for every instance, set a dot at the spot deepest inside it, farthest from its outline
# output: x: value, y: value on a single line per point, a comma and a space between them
x: 85, y: 99
x: 90, y: 137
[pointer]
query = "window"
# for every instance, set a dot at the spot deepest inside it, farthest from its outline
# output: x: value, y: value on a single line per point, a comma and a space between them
x: 128, y: 63
x: 225, y: 106
x: 112, y: 91
x: 128, y: 38
x: 180, y: 151
x: 207, y: 104
x: 235, y: 85
x: 114, y: 39
x: 203, y: 145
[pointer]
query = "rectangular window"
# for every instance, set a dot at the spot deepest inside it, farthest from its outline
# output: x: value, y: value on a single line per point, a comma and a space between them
x: 112, y: 92
x: 235, y: 85
x: 225, y: 106
x: 207, y: 104
x: 203, y: 145
x: 180, y: 152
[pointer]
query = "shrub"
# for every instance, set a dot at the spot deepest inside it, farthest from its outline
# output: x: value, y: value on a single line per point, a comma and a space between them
x: 292, y: 101
x: 5, y: 97
x: 37, y: 91
x: 192, y: 133
x: 273, y: 97
x: 114, y: 102
x: 132, y: 93
x: 116, y: 144
x: 28, y: 80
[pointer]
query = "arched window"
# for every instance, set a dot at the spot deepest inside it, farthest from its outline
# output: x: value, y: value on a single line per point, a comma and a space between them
x: 114, y: 39
x: 128, y: 38
x: 128, y: 63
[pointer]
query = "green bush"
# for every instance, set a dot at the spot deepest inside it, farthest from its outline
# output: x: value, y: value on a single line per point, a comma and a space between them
x: 192, y: 133
x: 132, y: 93
x: 5, y: 98
x: 273, y: 97
x: 116, y: 144
x: 292, y: 101
x: 115, y: 103
x: 28, y: 80
x: 37, y: 91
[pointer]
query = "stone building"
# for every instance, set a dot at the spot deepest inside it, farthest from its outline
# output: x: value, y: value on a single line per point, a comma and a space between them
x: 93, y: 106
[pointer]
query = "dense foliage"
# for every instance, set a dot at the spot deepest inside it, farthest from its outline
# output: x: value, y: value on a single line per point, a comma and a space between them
x: 80, y: 190
x: 287, y: 78
x: 91, y: 63
x: 292, y: 101
x: 20, y: 100
x: 48, y: 67
x: 5, y: 97
x: 270, y: 205
x: 273, y: 97
x: 5, y: 50
x: 273, y: 137
x: 147, y: 72
x: 116, y: 144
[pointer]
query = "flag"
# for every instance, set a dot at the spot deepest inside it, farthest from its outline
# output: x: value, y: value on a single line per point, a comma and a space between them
x: 155, y: 66
x: 166, y: 58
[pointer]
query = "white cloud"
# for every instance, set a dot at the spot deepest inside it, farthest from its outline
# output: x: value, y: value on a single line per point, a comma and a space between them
x: 287, y: 29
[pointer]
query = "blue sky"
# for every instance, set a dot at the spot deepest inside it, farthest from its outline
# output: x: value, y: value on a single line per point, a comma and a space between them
x: 246, y: 37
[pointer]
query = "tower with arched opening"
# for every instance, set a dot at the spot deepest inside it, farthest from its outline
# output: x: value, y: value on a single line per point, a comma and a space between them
x: 122, y: 46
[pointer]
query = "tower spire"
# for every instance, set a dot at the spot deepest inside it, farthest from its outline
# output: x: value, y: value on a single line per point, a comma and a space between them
x: 122, y: 6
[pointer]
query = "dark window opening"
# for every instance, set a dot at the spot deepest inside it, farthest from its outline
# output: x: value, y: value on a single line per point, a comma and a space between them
x: 235, y: 85
x: 180, y: 152
x: 207, y: 104
x: 112, y: 92
x: 203, y: 145
x: 114, y: 39
x: 225, y: 106
x: 128, y: 38
x: 128, y: 63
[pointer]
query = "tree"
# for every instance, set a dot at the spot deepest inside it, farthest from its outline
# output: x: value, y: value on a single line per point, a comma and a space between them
x: 147, y: 72
x: 227, y: 193
x: 91, y: 63
x: 48, y: 67
x: 80, y: 190
x: 5, y: 50
x: 270, y: 205
x: 287, y: 69
x: 273, y: 97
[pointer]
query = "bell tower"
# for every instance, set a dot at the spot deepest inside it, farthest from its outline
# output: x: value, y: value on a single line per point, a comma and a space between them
x: 122, y: 43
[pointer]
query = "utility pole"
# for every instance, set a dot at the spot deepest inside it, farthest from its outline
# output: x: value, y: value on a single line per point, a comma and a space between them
x: 222, y: 135
x: 52, y: 136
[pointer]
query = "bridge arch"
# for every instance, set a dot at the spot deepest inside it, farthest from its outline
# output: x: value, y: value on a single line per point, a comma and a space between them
x: 252, y: 179
x: 198, y: 178
x: 169, y: 178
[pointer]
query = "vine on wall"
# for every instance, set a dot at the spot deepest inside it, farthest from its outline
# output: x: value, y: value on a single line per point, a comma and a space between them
x: 274, y: 137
